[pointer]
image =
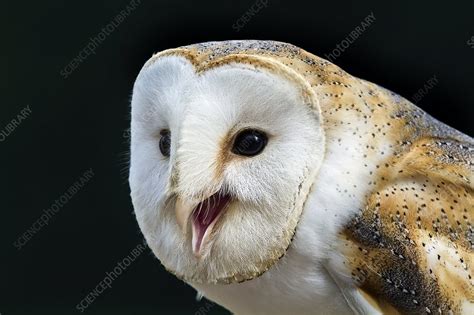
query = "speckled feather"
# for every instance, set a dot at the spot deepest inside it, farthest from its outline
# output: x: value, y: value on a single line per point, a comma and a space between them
x: 410, y: 249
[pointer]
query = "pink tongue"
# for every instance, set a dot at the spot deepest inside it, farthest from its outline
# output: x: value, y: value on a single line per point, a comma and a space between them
x: 205, y: 214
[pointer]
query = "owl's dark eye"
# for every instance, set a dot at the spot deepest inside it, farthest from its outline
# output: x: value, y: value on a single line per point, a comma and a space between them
x: 249, y: 142
x: 165, y: 142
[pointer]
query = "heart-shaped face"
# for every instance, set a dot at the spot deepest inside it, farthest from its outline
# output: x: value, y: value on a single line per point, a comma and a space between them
x: 223, y: 154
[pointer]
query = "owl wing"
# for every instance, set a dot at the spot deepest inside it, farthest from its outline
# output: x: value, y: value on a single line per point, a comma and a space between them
x: 411, y: 249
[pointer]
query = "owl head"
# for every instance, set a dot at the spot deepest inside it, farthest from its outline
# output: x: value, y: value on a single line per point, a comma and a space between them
x: 225, y: 146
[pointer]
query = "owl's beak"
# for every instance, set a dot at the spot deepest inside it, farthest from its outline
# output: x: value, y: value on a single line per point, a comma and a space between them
x: 183, y: 210
x: 204, y: 215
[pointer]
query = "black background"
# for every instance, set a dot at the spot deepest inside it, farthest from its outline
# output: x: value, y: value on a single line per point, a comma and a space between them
x: 79, y: 122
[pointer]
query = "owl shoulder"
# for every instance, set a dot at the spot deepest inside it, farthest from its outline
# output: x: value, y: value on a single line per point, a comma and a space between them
x: 411, y: 249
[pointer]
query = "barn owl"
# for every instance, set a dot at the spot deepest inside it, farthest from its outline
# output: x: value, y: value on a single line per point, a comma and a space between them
x: 274, y: 182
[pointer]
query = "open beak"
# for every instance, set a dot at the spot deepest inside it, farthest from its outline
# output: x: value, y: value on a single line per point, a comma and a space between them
x: 203, y: 216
